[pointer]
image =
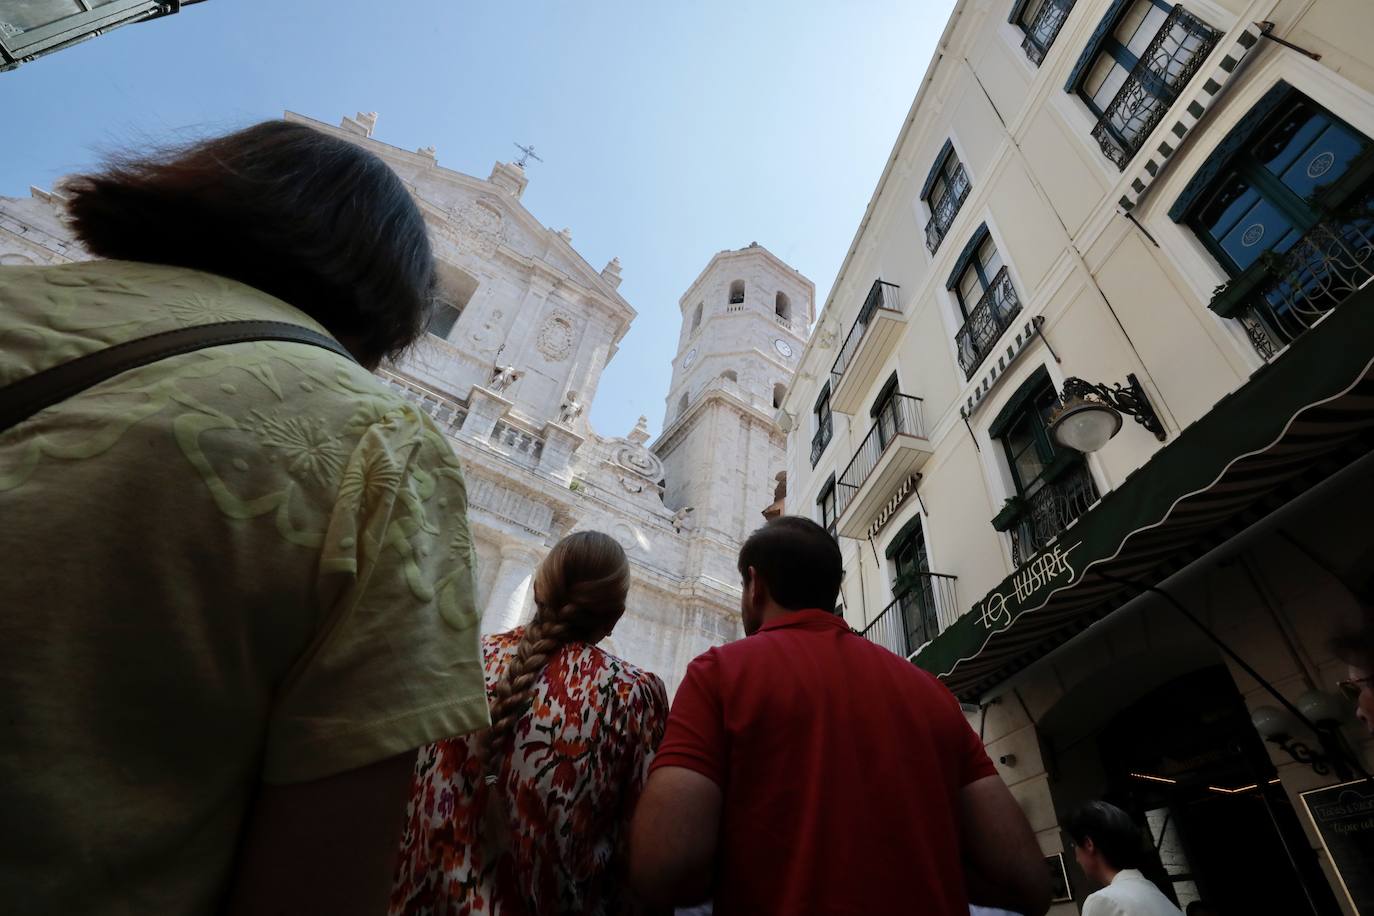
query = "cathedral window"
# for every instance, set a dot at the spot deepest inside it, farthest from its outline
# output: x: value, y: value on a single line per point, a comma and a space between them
x: 782, y: 308
x: 737, y: 292
x: 730, y: 375
x: 455, y: 290
x: 696, y: 316
x: 682, y: 405
x: 779, y: 392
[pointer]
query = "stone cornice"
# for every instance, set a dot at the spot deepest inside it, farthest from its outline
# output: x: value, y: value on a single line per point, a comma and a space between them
x: 674, y: 431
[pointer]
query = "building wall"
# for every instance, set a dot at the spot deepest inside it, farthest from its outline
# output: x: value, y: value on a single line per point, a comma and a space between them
x: 1112, y: 296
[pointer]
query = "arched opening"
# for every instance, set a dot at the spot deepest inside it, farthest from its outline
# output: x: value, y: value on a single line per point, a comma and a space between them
x: 782, y: 308
x: 737, y: 292
x: 730, y: 375
x: 682, y: 405
x: 453, y: 292
x: 696, y: 316
x: 779, y: 391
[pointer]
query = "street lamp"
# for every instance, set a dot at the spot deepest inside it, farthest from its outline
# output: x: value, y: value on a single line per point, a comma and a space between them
x: 1089, y: 415
x: 1323, y: 714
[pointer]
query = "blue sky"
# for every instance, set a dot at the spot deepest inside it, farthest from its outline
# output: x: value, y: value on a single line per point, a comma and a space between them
x: 669, y: 131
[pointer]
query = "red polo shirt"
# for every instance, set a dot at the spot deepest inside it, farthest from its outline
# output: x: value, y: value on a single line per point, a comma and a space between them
x: 841, y: 766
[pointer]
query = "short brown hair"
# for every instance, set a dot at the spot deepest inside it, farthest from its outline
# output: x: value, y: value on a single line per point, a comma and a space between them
x: 312, y: 219
x: 798, y: 560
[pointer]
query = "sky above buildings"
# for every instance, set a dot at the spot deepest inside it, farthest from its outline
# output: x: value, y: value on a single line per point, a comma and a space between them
x: 668, y: 131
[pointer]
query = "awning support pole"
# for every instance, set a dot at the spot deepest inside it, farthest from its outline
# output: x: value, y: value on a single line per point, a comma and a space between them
x: 1338, y: 754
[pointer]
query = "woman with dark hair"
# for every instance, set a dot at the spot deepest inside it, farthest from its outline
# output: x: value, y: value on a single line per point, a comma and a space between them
x: 239, y: 589
x: 530, y: 816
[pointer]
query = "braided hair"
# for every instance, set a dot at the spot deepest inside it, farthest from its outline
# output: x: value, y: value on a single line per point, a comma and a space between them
x: 579, y: 595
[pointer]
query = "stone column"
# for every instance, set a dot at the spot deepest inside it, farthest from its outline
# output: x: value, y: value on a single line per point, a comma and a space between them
x: 512, y: 588
x: 527, y: 318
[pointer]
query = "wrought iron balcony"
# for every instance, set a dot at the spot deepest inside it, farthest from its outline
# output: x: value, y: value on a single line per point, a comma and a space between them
x: 893, y: 451
x: 916, y: 616
x: 821, y: 439
x: 982, y: 329
x: 1285, y: 294
x: 1044, y: 28
x: 1170, y: 60
x: 868, y: 343
x: 943, y: 213
x: 1050, y: 509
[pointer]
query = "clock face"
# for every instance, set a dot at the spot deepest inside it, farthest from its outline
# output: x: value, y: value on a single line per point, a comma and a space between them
x: 690, y: 358
x: 783, y: 347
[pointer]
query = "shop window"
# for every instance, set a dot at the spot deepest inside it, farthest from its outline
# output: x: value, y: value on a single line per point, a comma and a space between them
x: 1139, y: 59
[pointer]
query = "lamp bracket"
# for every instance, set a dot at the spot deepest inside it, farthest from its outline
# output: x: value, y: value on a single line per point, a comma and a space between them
x: 1128, y: 399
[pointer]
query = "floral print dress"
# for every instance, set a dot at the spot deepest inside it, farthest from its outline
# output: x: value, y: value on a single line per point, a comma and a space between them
x: 577, y: 763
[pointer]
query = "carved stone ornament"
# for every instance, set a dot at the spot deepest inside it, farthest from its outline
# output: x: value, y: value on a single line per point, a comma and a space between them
x: 555, y: 338
x: 639, y: 460
x: 478, y: 227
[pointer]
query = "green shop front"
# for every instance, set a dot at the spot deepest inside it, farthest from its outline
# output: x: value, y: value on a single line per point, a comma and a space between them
x: 1170, y: 650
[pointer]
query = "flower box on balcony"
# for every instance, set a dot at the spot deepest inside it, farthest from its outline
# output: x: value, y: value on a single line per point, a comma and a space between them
x: 1012, y: 510
x: 1231, y: 297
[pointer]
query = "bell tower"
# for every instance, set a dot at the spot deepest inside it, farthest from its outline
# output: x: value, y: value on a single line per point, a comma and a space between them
x: 744, y: 322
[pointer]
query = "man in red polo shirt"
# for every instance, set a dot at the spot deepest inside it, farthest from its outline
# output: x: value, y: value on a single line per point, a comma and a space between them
x: 807, y: 770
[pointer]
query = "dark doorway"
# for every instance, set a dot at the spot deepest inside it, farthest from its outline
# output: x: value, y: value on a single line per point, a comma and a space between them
x: 1185, y: 761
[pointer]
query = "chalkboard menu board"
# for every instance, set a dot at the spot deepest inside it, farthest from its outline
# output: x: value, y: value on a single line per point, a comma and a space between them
x: 1344, y: 817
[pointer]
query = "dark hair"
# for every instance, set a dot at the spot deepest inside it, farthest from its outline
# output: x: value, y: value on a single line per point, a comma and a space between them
x: 1112, y: 831
x: 798, y: 560
x: 311, y: 219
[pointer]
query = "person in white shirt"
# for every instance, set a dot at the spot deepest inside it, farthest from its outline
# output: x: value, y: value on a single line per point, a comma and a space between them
x: 1108, y: 847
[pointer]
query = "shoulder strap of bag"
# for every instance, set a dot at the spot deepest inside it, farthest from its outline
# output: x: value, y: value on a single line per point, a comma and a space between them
x: 26, y: 397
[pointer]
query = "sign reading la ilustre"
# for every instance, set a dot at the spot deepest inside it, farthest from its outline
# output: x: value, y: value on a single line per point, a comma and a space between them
x: 1048, y: 568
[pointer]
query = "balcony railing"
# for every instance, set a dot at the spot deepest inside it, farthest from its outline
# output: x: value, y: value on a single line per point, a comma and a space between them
x: 448, y: 414
x: 821, y: 439
x: 880, y: 296
x: 783, y: 320
x: 993, y: 314
x: 1044, y: 29
x: 1170, y: 60
x: 943, y: 213
x: 916, y: 616
x: 902, y: 418
x: 520, y: 444
x: 1295, y: 289
x: 1051, y: 509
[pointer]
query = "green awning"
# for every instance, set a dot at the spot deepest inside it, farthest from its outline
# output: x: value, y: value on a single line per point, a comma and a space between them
x: 1296, y: 421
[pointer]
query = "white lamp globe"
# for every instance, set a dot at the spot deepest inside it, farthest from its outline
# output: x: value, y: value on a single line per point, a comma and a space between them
x: 1085, y: 425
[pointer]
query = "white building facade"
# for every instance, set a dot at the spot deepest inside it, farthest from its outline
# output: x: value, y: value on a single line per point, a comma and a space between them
x: 512, y: 362
x: 1173, y: 202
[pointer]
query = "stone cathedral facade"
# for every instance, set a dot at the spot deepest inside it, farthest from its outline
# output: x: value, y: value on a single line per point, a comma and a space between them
x: 510, y: 368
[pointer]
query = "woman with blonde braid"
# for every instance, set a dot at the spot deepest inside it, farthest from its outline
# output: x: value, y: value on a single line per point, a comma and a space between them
x: 530, y: 816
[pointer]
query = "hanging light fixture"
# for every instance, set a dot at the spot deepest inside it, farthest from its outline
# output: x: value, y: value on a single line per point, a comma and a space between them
x: 1089, y: 415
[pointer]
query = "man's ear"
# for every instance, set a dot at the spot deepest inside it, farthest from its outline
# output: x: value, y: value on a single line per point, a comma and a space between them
x: 758, y: 596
